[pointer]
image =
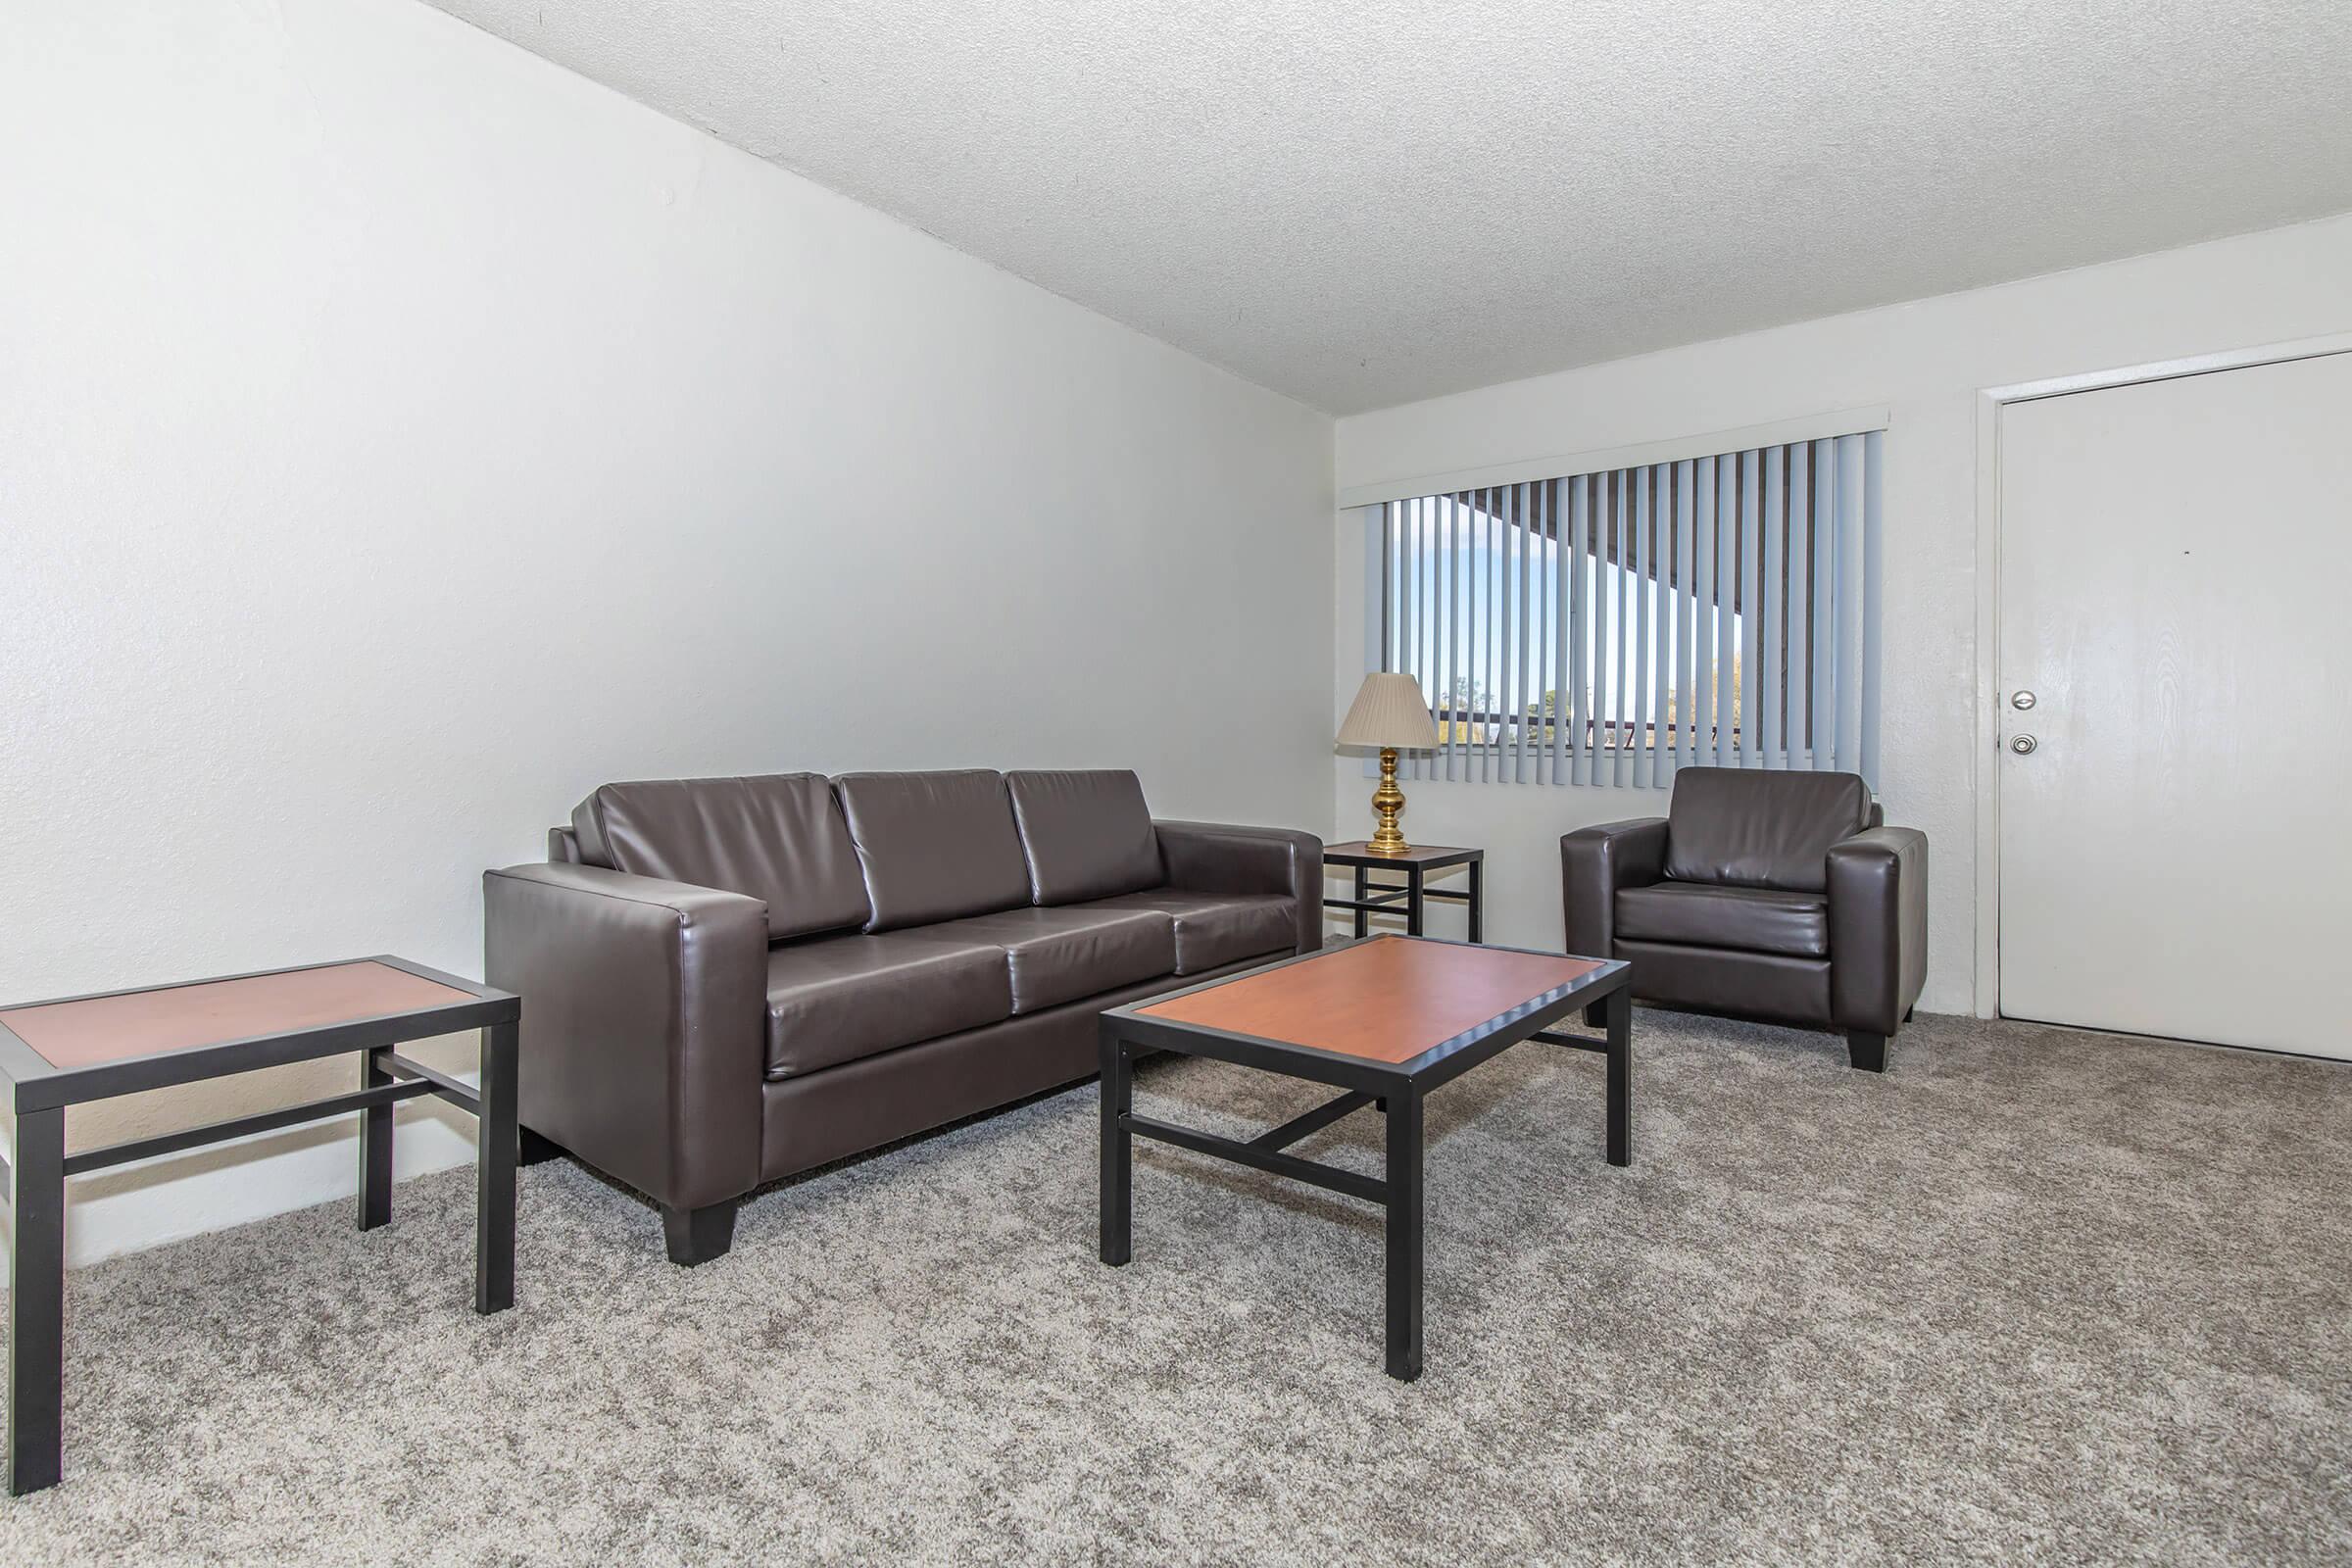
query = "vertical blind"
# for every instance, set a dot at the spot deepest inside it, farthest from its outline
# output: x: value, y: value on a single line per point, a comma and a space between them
x: 1607, y: 628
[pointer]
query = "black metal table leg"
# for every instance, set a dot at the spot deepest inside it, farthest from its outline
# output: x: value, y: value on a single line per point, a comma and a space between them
x: 37, y: 1348
x: 1363, y: 889
x: 1405, y: 1241
x: 496, y: 1150
x: 1414, y: 904
x: 1119, y: 1153
x: 375, y: 1148
x: 1621, y: 1076
x: 1478, y: 899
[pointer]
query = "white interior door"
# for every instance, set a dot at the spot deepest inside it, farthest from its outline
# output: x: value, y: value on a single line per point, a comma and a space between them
x: 2175, y: 847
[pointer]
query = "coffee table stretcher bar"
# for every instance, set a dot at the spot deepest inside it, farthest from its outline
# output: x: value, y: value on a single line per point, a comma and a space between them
x: 82, y: 1048
x: 1399, y: 1088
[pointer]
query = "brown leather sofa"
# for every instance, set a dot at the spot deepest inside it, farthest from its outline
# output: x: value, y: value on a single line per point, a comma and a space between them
x: 729, y: 980
x: 1778, y: 896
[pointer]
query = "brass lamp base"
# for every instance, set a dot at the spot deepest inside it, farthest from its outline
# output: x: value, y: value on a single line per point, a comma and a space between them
x: 1388, y: 803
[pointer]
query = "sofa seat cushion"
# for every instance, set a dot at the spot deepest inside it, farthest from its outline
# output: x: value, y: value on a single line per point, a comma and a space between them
x: 836, y: 998
x: 1213, y: 929
x: 1702, y: 916
x: 1058, y: 955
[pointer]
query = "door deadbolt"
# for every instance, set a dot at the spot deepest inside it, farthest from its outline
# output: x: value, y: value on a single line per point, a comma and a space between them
x: 2021, y: 700
x: 2023, y: 745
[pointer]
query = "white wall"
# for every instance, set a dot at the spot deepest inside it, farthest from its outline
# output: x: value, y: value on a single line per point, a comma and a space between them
x: 403, y: 436
x: 1928, y: 361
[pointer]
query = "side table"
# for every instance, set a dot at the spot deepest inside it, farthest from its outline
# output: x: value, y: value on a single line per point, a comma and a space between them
x: 1413, y: 892
x: 59, y: 1053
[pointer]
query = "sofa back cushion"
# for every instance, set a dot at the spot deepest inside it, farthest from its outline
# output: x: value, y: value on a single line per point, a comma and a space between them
x: 1085, y: 835
x: 1749, y: 829
x: 935, y: 846
x: 778, y: 837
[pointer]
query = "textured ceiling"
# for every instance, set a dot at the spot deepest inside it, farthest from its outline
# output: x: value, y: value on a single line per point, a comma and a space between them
x: 1361, y: 204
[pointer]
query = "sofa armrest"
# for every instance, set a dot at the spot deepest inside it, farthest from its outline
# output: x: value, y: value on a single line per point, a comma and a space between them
x: 1219, y: 857
x: 1595, y: 863
x: 1877, y: 927
x: 643, y: 1036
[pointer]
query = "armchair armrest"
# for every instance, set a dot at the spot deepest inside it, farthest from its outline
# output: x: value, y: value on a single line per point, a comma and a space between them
x: 644, y: 1026
x: 1219, y: 857
x: 1595, y: 863
x: 1878, y: 882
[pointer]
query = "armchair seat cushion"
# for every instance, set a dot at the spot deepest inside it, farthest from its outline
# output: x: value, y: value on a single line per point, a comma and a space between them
x: 836, y: 998
x: 1214, y: 929
x: 1705, y: 915
x: 1060, y: 954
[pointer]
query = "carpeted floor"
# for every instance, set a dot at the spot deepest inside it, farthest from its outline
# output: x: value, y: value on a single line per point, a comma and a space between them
x: 2031, y: 1296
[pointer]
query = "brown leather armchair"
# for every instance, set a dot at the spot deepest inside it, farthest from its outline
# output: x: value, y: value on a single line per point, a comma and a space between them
x: 1776, y: 896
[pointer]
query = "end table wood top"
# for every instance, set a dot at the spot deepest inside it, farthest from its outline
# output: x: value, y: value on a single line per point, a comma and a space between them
x: 1357, y: 852
x: 70, y: 1050
x: 1389, y: 999
x: 91, y: 1030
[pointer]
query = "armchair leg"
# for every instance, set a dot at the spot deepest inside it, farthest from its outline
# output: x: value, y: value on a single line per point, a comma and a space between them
x: 1596, y: 1016
x: 696, y: 1236
x: 1865, y: 1052
x: 535, y: 1150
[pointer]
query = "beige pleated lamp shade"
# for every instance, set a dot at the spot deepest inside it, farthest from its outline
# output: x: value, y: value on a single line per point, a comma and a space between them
x: 1390, y: 711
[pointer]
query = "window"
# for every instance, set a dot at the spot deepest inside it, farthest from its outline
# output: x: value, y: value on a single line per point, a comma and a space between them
x: 1610, y: 627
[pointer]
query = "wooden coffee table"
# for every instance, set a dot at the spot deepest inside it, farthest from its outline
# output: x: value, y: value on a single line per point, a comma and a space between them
x: 1386, y: 1018
x: 59, y: 1053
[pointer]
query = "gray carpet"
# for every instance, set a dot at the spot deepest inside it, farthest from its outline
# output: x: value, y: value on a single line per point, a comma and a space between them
x: 2031, y: 1296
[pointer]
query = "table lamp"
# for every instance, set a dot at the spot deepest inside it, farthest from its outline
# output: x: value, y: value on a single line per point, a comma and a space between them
x: 1388, y: 712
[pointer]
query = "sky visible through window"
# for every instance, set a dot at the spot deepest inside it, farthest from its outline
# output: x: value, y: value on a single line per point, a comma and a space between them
x: 1460, y: 660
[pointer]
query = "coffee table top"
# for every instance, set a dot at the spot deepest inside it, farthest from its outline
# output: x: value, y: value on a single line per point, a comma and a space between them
x: 1386, y: 998
x: 91, y: 1046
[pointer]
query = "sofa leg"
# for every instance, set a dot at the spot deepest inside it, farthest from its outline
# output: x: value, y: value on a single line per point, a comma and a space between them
x: 1865, y: 1052
x: 535, y: 1150
x: 1596, y: 1016
x: 699, y: 1235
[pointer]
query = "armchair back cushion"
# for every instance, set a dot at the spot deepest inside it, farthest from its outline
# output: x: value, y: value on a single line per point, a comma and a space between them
x: 1086, y: 835
x: 935, y: 846
x: 1743, y: 827
x: 779, y: 838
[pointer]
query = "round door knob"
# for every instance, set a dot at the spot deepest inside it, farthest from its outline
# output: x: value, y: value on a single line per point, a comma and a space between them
x: 2021, y: 700
x: 2021, y: 745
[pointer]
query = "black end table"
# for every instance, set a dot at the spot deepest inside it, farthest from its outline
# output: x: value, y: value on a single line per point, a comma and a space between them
x: 59, y: 1053
x: 1386, y: 1019
x: 1413, y: 892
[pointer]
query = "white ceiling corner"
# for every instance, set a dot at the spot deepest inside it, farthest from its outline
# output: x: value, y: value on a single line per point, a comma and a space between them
x: 1367, y: 204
